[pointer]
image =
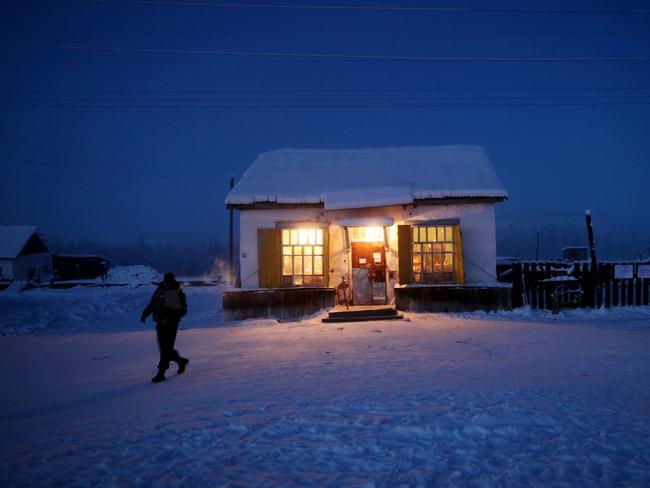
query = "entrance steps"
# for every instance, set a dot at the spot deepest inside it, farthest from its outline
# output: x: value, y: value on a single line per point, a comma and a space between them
x: 362, y: 314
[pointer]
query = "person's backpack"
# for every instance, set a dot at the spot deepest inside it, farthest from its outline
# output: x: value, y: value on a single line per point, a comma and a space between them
x: 172, y: 299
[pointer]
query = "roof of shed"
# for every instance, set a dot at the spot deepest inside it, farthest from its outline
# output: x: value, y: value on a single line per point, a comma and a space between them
x: 13, y: 240
x: 358, y: 178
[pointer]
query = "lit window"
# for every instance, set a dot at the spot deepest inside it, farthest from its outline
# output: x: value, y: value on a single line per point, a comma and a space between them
x: 302, y: 257
x: 433, y: 254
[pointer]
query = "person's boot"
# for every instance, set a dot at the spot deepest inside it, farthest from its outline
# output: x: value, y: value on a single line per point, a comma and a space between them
x: 160, y: 376
x: 182, y: 364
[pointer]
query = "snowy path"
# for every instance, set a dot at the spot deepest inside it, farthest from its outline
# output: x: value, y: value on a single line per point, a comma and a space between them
x: 436, y: 401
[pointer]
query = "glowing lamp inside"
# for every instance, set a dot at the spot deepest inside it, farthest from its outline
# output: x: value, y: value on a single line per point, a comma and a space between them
x: 367, y: 234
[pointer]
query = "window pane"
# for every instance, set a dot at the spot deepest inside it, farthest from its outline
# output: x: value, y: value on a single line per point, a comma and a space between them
x: 307, y: 263
x: 416, y: 235
x: 318, y: 265
x: 294, y: 236
x: 441, y: 233
x: 307, y: 250
x: 437, y: 263
x: 297, y: 280
x: 417, y: 248
x: 318, y: 280
x: 437, y: 248
x: 426, y: 247
x: 427, y: 263
x: 286, y: 250
x: 319, y: 237
x: 302, y: 236
x: 287, y: 269
x: 448, y: 234
x: 286, y: 236
x: 308, y: 280
x: 297, y: 264
x: 423, y: 234
x: 448, y: 247
x: 417, y: 277
x: 417, y: 258
x: 431, y: 234
x: 448, y: 262
x: 287, y: 280
x: 318, y: 250
x: 297, y: 249
x: 312, y: 236
x: 417, y: 267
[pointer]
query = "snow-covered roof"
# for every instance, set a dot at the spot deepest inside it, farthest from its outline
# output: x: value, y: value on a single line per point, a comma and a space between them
x: 13, y: 239
x: 356, y: 178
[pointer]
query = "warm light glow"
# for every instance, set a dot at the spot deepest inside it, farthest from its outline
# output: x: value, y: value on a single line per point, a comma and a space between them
x: 367, y: 234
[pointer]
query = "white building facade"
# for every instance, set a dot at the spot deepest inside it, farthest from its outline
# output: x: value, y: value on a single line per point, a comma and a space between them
x: 425, y: 216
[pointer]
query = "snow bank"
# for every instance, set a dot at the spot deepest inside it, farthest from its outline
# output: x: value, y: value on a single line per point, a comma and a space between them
x: 97, y: 309
x: 133, y: 275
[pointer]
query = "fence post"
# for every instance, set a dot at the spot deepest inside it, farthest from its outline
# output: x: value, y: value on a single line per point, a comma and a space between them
x: 630, y: 291
x: 587, y: 286
x: 547, y: 289
x: 516, y: 286
x: 623, y: 292
x: 606, y: 281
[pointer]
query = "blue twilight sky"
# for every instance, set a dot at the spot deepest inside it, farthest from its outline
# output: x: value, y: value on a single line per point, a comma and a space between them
x: 116, y: 122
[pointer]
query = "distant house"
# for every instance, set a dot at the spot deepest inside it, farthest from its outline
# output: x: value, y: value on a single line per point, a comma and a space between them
x: 379, y: 220
x: 24, y: 255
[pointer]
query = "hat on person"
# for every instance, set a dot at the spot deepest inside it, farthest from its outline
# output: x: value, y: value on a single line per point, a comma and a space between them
x: 169, y: 277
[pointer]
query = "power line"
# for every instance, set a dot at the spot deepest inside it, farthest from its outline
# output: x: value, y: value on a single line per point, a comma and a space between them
x: 318, y: 90
x: 108, y: 174
x: 152, y: 170
x: 351, y: 57
x: 95, y: 185
x: 324, y: 106
x: 255, y: 32
x: 328, y: 99
x: 106, y: 211
x: 366, y: 8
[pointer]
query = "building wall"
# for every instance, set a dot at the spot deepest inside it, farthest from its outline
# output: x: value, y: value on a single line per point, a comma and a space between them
x: 477, y: 225
x: 41, y: 264
x: 7, y: 266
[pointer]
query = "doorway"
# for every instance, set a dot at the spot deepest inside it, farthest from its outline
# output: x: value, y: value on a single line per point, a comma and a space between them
x: 368, y: 273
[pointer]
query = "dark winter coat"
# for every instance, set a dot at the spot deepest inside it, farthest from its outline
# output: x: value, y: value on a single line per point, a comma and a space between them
x: 168, y: 304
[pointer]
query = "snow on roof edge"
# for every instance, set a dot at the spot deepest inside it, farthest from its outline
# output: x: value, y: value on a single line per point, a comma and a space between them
x: 286, y: 176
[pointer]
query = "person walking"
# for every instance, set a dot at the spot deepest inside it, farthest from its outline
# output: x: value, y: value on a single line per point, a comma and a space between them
x: 168, y: 305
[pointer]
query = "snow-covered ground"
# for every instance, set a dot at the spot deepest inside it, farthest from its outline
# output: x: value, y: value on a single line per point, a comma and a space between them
x: 516, y: 399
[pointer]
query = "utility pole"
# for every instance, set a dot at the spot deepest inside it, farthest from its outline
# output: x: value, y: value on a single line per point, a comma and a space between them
x: 231, y: 247
x: 537, y: 247
x: 594, y: 262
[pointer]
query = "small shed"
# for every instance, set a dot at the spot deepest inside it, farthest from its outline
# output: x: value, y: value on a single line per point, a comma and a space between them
x: 79, y: 267
x: 24, y: 255
x: 396, y: 226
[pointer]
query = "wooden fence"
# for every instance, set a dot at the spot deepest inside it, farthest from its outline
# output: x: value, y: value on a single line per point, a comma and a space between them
x: 547, y: 284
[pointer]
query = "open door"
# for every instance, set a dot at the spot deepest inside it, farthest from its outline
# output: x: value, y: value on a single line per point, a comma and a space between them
x: 368, y: 273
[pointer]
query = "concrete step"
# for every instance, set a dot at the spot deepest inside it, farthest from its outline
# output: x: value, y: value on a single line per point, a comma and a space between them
x: 362, y: 318
x: 364, y: 312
